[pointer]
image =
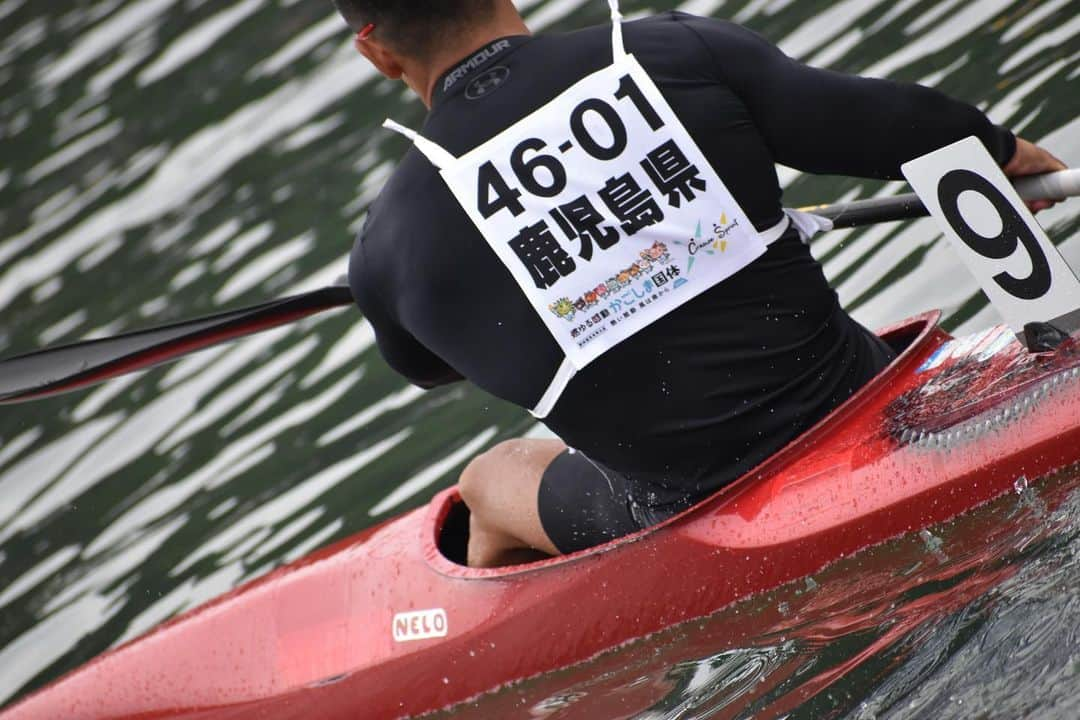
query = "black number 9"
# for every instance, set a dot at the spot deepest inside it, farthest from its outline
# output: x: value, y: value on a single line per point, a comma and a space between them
x: 1013, y: 229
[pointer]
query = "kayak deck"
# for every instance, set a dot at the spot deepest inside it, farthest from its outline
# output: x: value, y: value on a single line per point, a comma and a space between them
x: 385, y: 624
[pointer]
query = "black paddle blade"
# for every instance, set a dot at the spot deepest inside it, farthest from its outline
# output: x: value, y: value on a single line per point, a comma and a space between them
x: 71, y: 367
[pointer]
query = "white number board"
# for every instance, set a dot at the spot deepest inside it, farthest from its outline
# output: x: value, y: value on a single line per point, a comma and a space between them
x: 997, y: 237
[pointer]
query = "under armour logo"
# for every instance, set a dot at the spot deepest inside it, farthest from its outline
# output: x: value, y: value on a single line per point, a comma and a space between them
x: 487, y: 82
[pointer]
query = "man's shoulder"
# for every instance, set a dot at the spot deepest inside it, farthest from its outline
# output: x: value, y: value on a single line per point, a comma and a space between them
x: 676, y: 21
x: 393, y: 212
x: 413, y: 214
x: 411, y: 182
x: 678, y: 18
x: 668, y: 21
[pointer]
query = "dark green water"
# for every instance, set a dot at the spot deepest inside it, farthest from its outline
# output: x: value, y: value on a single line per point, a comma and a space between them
x: 162, y: 159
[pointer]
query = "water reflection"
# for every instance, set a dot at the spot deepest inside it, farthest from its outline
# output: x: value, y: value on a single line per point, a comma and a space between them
x: 162, y: 158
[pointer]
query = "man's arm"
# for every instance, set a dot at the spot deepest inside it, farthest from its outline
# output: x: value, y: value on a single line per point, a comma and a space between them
x: 826, y: 122
x: 408, y: 357
x: 402, y: 352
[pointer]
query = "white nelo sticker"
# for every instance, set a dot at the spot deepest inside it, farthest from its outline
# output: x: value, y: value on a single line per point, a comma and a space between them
x: 420, y: 625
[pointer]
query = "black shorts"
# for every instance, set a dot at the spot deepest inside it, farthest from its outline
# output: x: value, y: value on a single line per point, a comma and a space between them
x: 583, y: 503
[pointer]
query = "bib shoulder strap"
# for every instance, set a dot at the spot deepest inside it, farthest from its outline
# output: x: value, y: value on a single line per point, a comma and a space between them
x: 807, y: 224
x: 438, y: 156
x: 617, y: 48
x: 562, y: 378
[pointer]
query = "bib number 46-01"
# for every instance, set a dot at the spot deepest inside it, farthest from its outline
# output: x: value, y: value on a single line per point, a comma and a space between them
x: 998, y: 239
x: 544, y: 175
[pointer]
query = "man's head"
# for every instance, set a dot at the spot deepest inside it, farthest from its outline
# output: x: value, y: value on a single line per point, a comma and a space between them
x: 414, y: 28
x: 417, y: 40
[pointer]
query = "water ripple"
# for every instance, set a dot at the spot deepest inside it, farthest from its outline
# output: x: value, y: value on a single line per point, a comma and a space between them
x: 160, y: 160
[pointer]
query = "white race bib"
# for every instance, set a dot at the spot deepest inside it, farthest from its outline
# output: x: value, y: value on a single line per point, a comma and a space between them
x: 604, y: 210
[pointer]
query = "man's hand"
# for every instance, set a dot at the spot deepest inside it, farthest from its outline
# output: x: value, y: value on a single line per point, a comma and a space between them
x: 1031, y: 159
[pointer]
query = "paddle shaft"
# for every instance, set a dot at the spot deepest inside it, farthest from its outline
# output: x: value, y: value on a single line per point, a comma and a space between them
x: 1051, y: 186
x: 71, y: 367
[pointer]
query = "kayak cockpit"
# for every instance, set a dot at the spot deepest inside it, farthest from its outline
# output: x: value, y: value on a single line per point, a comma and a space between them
x: 452, y: 533
x: 446, y: 529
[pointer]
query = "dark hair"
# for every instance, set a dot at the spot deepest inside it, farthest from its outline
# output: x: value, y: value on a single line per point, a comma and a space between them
x: 414, y: 26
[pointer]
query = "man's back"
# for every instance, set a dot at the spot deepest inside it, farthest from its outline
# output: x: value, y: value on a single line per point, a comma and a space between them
x: 711, y: 389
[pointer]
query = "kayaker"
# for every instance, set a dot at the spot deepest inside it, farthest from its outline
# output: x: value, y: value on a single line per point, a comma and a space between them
x: 613, y: 255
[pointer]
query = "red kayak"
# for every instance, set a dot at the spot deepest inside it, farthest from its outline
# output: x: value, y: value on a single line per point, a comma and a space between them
x: 389, y: 623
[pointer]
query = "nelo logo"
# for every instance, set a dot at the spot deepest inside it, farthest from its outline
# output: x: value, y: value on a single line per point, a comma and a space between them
x: 420, y: 625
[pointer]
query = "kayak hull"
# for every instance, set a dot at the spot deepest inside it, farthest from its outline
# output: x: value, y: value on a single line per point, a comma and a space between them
x: 385, y: 624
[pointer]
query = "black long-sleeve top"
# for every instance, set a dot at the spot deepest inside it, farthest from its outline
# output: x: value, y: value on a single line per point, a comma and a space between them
x: 711, y: 389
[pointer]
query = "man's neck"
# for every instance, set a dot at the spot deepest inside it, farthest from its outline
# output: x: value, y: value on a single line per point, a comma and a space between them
x: 421, y: 76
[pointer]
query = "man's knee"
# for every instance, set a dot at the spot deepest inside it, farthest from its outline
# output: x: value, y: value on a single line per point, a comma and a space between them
x: 475, y: 483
